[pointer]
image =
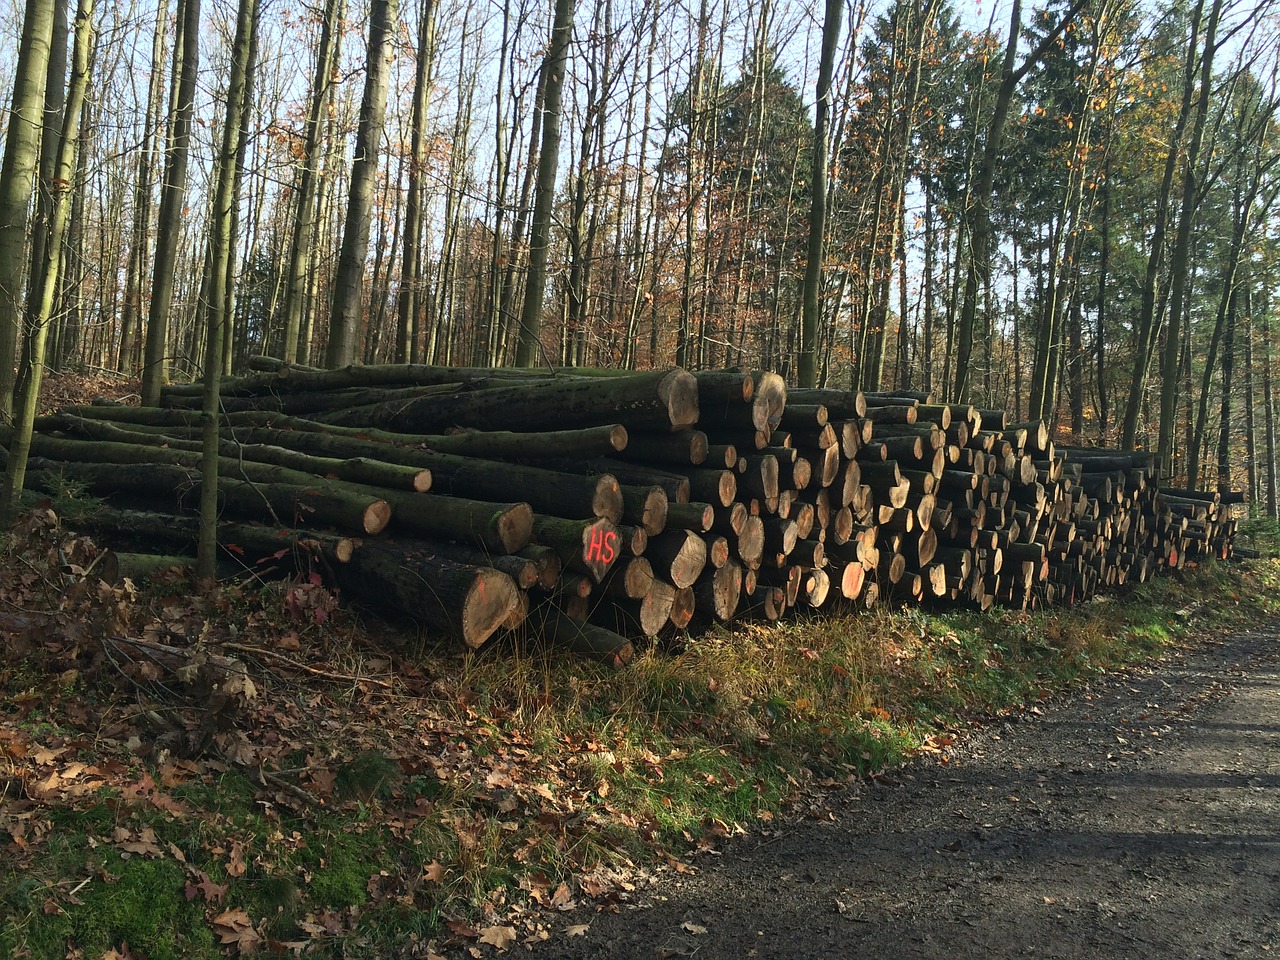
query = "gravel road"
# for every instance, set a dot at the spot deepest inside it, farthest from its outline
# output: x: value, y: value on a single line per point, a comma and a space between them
x: 1138, y: 819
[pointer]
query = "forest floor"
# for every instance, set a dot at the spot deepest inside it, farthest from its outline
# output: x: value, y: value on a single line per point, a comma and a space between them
x: 1139, y: 817
x: 901, y: 782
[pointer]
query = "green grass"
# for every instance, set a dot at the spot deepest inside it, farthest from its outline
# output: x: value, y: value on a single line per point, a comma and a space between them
x: 523, y: 771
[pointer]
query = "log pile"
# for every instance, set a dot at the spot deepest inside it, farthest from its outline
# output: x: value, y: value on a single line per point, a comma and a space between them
x: 659, y: 500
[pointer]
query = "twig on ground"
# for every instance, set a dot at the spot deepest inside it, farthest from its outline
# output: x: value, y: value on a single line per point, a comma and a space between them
x: 314, y: 671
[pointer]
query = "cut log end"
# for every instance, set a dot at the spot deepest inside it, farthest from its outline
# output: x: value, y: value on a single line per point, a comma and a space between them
x: 768, y: 402
x: 606, y: 501
x: 515, y: 527
x: 487, y: 605
x: 679, y: 391
x: 376, y: 517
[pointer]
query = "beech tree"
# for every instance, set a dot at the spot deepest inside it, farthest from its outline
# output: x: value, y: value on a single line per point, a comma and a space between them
x: 348, y: 289
x: 554, y: 66
x: 808, y: 367
x: 186, y: 62
x: 17, y: 175
x: 61, y: 187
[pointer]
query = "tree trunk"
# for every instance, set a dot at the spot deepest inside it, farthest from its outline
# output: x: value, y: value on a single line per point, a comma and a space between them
x: 1146, y: 323
x: 1180, y: 260
x: 37, y: 334
x: 665, y: 399
x: 812, y: 317
x: 287, y: 503
x: 219, y: 258
x: 980, y: 227
x: 17, y: 177
x: 348, y: 285
x: 186, y: 65
x: 411, y: 270
x: 1269, y: 413
x: 305, y: 212
x: 55, y: 96
x: 528, y: 345
x: 140, y: 242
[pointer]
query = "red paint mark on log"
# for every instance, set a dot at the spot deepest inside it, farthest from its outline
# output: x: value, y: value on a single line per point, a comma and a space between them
x: 603, y: 547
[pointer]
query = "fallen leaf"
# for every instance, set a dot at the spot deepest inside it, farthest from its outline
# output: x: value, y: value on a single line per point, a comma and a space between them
x: 562, y: 899
x: 234, y: 928
x: 500, y: 937
x: 143, y: 843
x: 45, y: 755
x: 460, y: 928
x: 236, y: 866
x: 212, y: 892
x: 433, y: 871
x: 498, y: 780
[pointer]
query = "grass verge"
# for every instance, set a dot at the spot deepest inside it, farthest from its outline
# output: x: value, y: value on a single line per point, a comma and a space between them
x: 376, y: 796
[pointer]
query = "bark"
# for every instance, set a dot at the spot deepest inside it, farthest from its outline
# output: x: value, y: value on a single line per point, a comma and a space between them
x: 584, y: 639
x: 304, y: 209
x: 466, y: 458
x: 21, y: 157
x: 282, y: 503
x: 186, y: 54
x: 698, y: 517
x: 498, y: 527
x: 1180, y: 259
x: 643, y: 616
x: 38, y: 332
x: 251, y: 543
x: 528, y: 346
x: 688, y: 447
x: 645, y: 507
x: 348, y: 287
x: 47, y: 173
x: 677, y: 556
x: 588, y: 546
x: 661, y: 400
x: 812, y: 285
x: 139, y: 253
x: 1224, y: 323
x: 408, y: 301
x: 366, y: 470
x: 1269, y: 418
x: 310, y: 403
x: 219, y: 257
x: 465, y: 601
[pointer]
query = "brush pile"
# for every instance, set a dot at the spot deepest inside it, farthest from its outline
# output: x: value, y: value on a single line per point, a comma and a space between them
x: 595, y: 507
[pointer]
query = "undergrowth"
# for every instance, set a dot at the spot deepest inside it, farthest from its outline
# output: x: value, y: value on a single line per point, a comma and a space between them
x: 372, y: 794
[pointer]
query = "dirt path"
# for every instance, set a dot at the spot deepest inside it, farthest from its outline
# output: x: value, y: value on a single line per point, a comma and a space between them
x: 1139, y: 820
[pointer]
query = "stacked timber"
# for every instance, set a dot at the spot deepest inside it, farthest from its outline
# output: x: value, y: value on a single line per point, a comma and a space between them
x: 661, y: 501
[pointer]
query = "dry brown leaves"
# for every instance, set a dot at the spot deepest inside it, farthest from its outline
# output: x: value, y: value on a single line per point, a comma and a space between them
x: 543, y: 804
